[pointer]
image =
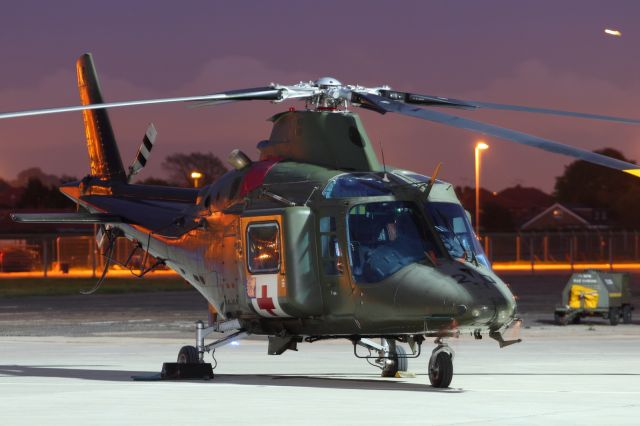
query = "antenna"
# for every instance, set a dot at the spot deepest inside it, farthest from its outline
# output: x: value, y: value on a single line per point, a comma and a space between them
x: 432, y: 180
x: 385, y: 178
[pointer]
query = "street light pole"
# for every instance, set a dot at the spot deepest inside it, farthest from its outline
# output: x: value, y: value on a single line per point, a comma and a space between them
x: 480, y: 146
x: 195, y: 175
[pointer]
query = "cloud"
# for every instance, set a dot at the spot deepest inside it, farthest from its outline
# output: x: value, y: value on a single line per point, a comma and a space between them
x: 535, y: 84
x: 56, y: 143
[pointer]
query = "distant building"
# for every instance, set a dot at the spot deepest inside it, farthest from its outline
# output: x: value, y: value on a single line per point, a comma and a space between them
x: 523, y: 202
x: 558, y: 217
x: 506, y: 210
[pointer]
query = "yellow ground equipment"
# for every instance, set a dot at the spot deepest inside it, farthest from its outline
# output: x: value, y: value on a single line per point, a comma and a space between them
x: 595, y: 293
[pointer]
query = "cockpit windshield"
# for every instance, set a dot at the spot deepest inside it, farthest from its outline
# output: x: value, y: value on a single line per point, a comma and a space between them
x: 454, y: 229
x: 360, y: 185
x: 386, y: 236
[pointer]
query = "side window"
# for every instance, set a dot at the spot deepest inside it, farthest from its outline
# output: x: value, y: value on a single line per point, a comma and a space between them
x: 263, y: 248
x: 330, y: 249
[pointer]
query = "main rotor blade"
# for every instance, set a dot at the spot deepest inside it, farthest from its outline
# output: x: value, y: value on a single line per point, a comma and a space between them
x: 428, y: 100
x: 379, y: 103
x: 258, y: 93
x: 506, y: 107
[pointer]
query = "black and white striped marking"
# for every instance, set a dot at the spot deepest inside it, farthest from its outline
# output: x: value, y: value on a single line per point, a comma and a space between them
x: 144, y: 152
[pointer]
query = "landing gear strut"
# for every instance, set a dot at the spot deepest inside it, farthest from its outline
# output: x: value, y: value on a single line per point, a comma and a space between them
x: 218, y: 327
x: 441, y: 365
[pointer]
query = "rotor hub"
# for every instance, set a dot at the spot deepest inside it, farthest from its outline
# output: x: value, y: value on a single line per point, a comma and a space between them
x: 324, y: 94
x: 325, y: 82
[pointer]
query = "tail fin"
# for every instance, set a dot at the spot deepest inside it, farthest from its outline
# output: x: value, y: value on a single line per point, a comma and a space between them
x: 101, y: 143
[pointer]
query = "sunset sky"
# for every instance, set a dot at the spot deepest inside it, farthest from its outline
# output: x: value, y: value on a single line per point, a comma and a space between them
x: 544, y: 53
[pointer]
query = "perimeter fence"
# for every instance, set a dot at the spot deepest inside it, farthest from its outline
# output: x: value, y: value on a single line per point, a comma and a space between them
x: 563, y: 248
x: 55, y: 254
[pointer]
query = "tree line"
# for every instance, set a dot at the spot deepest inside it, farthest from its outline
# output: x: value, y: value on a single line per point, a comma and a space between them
x: 41, y: 190
x: 581, y: 184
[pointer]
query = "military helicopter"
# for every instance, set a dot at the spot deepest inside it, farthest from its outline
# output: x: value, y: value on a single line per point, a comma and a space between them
x: 316, y: 239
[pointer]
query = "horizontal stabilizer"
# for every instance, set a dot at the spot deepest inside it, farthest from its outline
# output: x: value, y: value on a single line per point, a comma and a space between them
x: 166, y: 218
x: 65, y: 218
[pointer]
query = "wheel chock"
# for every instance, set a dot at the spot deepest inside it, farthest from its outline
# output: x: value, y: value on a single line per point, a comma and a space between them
x: 176, y: 371
x: 405, y: 375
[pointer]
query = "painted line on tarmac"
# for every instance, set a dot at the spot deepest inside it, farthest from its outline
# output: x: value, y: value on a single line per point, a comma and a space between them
x: 568, y: 392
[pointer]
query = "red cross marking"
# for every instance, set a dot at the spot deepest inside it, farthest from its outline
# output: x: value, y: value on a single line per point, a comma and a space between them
x: 265, y: 302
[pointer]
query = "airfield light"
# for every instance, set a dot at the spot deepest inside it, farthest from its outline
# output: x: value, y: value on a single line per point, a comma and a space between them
x: 614, y: 33
x: 480, y: 146
x: 196, y: 176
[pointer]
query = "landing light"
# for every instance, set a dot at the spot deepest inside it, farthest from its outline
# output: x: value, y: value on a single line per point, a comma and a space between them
x: 614, y: 33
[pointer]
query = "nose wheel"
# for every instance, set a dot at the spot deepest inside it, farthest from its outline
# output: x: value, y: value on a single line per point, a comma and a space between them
x: 441, y: 366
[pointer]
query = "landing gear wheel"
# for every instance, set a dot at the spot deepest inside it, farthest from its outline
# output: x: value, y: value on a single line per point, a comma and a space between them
x: 188, y: 355
x: 397, y: 362
x: 403, y: 361
x: 441, y: 370
x: 560, y: 318
x: 626, y: 314
x: 614, y: 316
x: 576, y: 319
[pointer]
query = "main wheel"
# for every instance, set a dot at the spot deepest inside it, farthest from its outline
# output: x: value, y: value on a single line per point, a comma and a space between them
x: 560, y: 318
x: 614, y: 316
x: 399, y: 363
x: 441, y: 370
x: 188, y: 355
x: 402, y: 361
x: 626, y: 314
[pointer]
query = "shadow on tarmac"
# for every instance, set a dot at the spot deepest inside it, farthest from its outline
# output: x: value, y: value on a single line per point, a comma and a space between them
x: 320, y: 381
x: 67, y: 372
x: 330, y: 381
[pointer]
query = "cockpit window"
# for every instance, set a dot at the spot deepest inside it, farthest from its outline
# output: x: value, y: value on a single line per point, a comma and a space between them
x: 386, y: 236
x: 359, y: 185
x: 454, y: 229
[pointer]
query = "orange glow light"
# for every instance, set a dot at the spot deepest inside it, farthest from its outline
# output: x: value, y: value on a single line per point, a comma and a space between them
x: 524, y: 266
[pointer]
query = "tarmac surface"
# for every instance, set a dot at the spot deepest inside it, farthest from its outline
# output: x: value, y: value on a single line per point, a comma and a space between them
x: 69, y: 359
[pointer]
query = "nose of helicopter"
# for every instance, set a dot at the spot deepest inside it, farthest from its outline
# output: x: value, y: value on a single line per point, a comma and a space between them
x: 457, y: 292
x: 493, y: 305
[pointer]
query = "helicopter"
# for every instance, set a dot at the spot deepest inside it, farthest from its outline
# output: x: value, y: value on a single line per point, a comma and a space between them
x: 317, y: 239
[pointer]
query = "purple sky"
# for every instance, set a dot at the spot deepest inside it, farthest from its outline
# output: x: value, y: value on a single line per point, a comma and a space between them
x: 543, y: 53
